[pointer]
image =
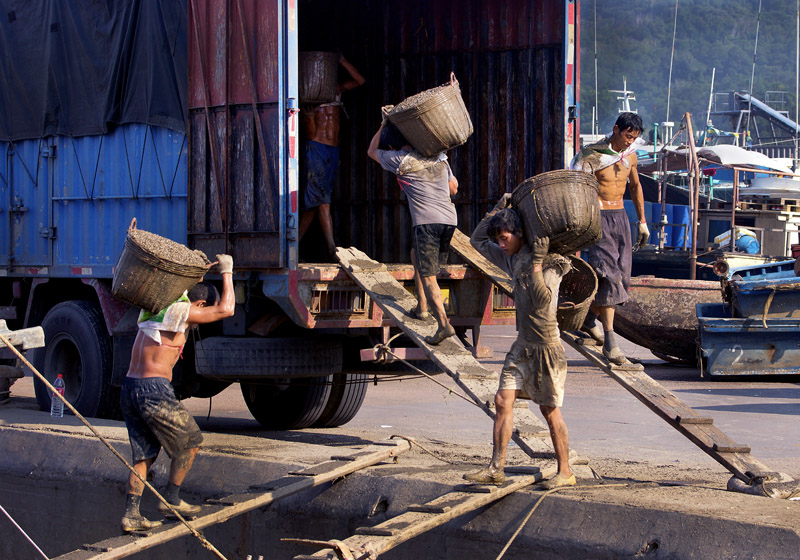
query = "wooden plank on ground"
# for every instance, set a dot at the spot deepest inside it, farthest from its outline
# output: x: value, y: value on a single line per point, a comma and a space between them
x: 420, y: 519
x: 697, y: 428
x: 223, y: 510
x: 451, y: 356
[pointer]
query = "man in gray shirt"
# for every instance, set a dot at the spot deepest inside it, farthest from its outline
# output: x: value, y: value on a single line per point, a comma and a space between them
x: 428, y: 184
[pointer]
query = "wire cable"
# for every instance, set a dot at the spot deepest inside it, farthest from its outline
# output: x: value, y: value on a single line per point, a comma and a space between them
x: 116, y: 453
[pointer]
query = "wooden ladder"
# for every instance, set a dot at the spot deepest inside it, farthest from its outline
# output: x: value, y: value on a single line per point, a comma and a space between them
x: 223, y: 509
x: 530, y: 433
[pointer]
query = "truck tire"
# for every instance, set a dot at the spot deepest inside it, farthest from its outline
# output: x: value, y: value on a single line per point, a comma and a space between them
x: 287, y: 404
x: 347, y: 395
x: 234, y: 359
x: 79, y: 347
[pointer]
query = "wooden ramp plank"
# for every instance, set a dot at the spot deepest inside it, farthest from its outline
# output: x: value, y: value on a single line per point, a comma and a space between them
x: 126, y: 545
x: 420, y: 519
x: 697, y: 428
x: 451, y: 356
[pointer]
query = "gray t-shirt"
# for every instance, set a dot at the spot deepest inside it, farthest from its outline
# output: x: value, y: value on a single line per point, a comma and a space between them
x: 427, y: 190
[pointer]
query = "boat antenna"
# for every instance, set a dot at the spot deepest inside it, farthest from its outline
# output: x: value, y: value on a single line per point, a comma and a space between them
x: 596, y: 119
x: 671, y: 57
x: 796, y: 86
x: 753, y: 74
x: 710, y: 97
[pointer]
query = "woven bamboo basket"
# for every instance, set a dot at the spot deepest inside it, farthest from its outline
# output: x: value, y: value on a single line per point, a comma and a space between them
x: 561, y: 205
x: 575, y: 295
x: 150, y: 281
x: 318, y: 76
x: 434, y: 120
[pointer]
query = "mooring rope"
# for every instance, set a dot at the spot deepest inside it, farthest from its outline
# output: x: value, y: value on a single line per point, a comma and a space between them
x: 116, y: 453
x: 21, y: 530
x: 414, y: 442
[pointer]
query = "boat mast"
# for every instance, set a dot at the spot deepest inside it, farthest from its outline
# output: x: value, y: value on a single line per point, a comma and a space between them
x: 752, y: 75
x: 796, y: 86
x: 596, y: 115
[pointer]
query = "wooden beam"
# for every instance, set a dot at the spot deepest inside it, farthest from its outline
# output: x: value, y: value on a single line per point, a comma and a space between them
x: 420, y: 519
x: 237, y: 504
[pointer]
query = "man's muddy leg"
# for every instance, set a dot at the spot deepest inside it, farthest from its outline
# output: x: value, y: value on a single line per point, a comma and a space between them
x: 422, y: 301
x: 436, y: 303
x: 177, y: 473
x: 132, y: 519
x: 501, y: 435
x: 326, y: 223
x: 305, y: 222
x: 610, y: 349
x: 560, y: 437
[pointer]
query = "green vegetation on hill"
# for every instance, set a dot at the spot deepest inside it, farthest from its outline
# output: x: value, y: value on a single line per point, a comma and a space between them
x: 634, y: 39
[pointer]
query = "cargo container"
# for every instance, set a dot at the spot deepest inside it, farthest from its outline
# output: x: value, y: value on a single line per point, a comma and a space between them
x: 184, y: 115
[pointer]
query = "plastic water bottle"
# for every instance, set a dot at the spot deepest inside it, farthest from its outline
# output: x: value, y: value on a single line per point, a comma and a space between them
x: 56, y: 404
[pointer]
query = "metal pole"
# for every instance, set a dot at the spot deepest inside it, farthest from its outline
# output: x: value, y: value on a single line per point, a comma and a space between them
x: 710, y: 98
x: 796, y: 84
x: 596, y: 121
x: 752, y: 76
x: 671, y: 57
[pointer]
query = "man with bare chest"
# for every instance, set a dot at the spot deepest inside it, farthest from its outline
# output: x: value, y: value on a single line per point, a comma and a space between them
x: 155, y: 418
x: 320, y: 158
x: 613, y: 162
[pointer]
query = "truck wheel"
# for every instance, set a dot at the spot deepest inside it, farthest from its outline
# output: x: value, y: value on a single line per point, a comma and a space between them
x: 231, y: 358
x: 347, y: 396
x: 287, y: 404
x: 79, y: 348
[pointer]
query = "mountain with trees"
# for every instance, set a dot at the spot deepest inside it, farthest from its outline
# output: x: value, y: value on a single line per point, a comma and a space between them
x: 634, y: 40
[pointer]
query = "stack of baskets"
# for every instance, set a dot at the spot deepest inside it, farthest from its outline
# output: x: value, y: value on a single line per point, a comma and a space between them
x: 318, y: 76
x: 434, y: 120
x: 575, y: 295
x: 562, y: 205
x: 153, y: 279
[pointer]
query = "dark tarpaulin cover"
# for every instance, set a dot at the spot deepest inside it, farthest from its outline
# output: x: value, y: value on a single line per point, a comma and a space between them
x: 78, y: 68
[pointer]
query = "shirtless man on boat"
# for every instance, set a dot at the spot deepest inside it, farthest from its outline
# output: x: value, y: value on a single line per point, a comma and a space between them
x: 613, y: 162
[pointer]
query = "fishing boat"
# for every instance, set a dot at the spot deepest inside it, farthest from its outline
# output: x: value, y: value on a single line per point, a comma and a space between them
x: 661, y: 316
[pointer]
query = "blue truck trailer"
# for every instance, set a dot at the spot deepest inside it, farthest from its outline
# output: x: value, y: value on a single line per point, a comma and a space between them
x: 184, y: 115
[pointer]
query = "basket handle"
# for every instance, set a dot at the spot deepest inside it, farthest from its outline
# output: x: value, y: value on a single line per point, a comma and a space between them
x: 133, y: 224
x: 453, y: 81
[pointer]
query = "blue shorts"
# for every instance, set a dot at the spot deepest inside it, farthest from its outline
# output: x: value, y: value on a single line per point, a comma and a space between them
x: 318, y: 170
x: 155, y: 418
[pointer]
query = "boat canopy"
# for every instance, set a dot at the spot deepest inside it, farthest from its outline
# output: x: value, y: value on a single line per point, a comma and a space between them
x: 678, y: 158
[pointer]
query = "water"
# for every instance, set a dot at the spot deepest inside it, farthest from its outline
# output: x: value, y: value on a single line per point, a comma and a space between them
x: 56, y: 404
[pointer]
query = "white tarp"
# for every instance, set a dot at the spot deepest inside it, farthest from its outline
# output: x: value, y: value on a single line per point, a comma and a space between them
x: 678, y: 158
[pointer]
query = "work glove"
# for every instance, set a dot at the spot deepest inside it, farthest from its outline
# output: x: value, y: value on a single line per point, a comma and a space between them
x: 225, y: 264
x: 385, y: 110
x: 539, y: 249
x: 644, y: 235
x: 504, y: 202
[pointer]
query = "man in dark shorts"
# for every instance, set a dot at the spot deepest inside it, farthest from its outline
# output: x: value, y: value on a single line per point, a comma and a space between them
x: 319, y: 161
x: 428, y: 184
x: 155, y: 418
x: 613, y: 162
x: 536, y: 365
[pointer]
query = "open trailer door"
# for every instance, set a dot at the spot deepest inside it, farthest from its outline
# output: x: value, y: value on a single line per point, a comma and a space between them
x: 242, y: 130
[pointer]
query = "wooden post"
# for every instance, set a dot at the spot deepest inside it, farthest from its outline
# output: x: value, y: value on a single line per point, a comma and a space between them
x: 695, y: 197
x: 734, y: 202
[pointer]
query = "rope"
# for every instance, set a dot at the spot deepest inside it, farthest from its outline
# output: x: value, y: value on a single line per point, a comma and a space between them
x: 116, y: 453
x: 384, y: 348
x: 21, y: 530
x: 414, y: 442
x: 539, y: 501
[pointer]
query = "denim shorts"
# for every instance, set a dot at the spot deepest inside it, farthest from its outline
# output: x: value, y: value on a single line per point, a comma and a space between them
x: 155, y: 418
x: 431, y: 245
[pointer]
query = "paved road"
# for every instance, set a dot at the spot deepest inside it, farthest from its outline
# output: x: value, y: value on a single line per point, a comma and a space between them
x: 604, y: 420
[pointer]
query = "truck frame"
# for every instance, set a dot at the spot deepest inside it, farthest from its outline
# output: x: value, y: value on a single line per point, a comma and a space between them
x: 225, y: 180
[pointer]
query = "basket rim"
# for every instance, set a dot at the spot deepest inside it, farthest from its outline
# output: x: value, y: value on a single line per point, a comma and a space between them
x: 448, y: 92
x: 156, y: 260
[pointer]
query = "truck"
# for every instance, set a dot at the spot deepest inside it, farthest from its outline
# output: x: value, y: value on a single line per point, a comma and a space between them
x: 184, y: 115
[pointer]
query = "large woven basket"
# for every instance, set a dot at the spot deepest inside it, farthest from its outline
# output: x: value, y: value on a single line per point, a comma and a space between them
x: 434, y: 120
x: 575, y: 295
x: 150, y: 281
x: 561, y: 205
x: 318, y: 76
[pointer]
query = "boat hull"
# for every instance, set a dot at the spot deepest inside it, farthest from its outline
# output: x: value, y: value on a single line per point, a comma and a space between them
x: 661, y: 315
